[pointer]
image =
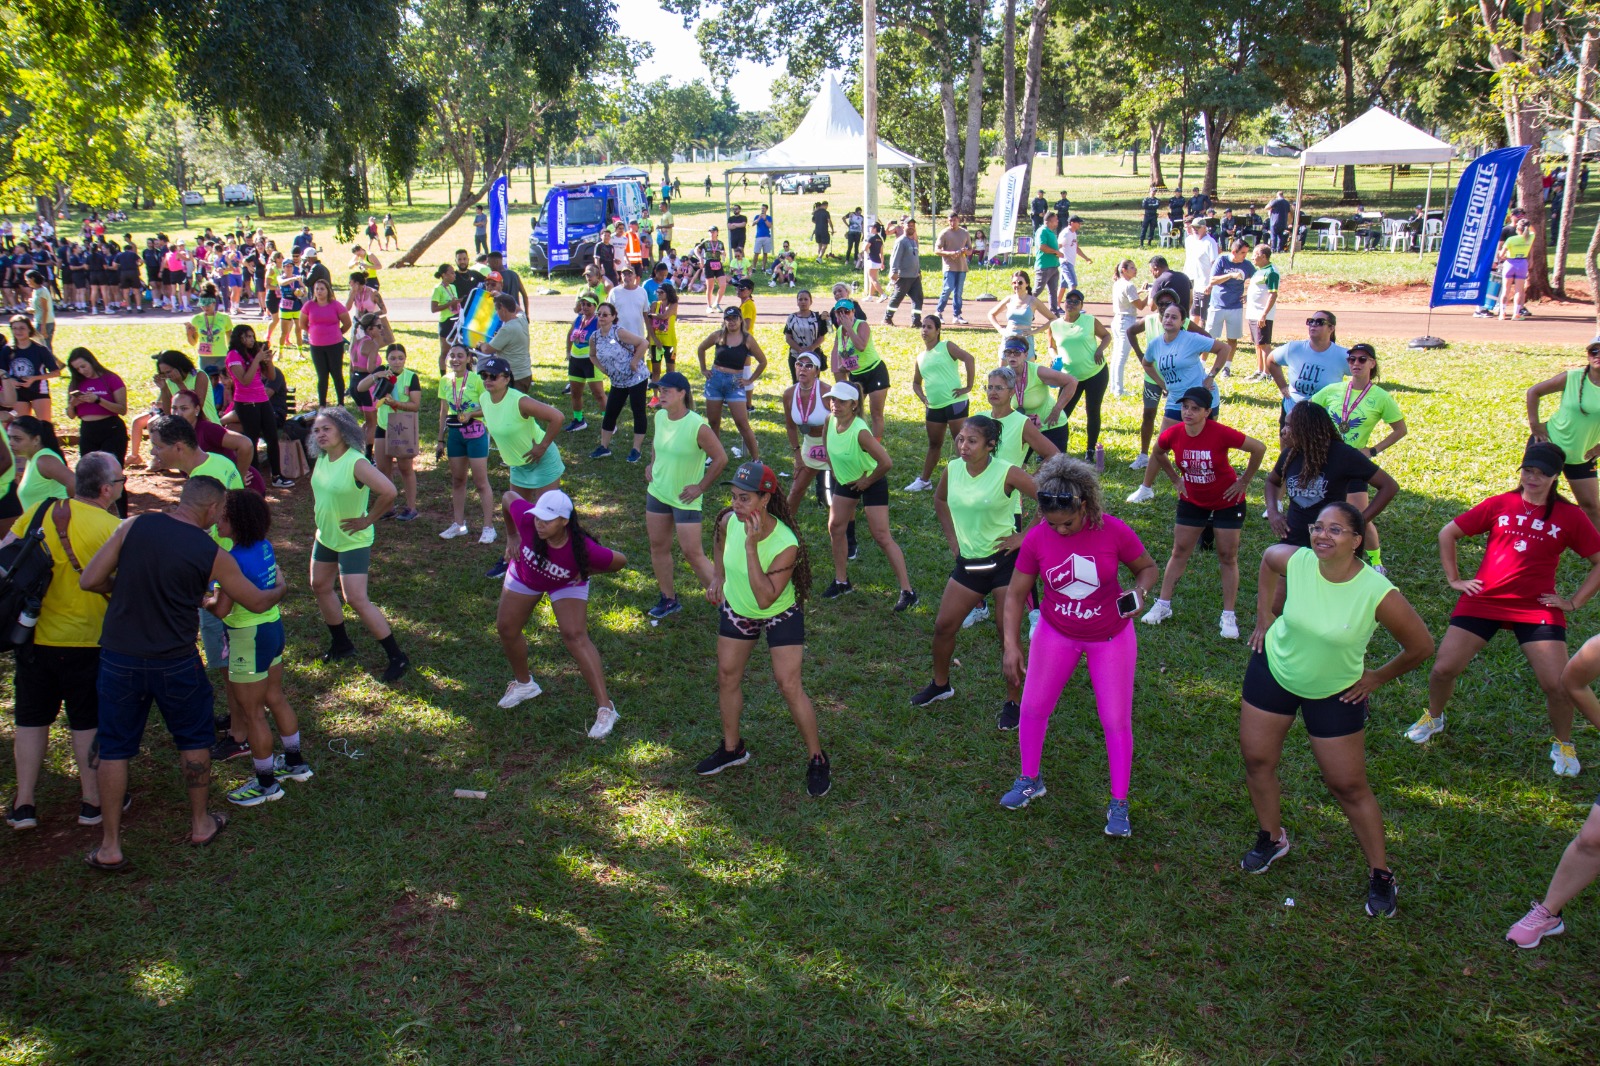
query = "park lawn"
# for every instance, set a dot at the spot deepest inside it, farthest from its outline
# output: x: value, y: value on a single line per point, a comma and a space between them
x: 605, y: 905
x: 1103, y: 191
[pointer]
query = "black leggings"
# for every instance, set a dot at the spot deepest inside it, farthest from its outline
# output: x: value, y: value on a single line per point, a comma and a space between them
x: 329, y: 361
x: 106, y: 435
x: 1095, y: 389
x: 257, y: 421
x: 633, y: 397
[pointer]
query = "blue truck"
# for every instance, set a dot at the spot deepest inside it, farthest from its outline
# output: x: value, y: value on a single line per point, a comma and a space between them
x: 577, y: 213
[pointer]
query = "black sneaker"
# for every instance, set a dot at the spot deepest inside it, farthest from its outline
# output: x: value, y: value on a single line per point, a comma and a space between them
x: 818, y: 776
x: 1381, y: 891
x: 396, y: 669
x: 837, y: 589
x: 333, y: 655
x: 221, y: 722
x: 1010, y: 716
x: 721, y: 759
x: 228, y: 748
x: 498, y: 569
x: 907, y: 600
x: 1266, y: 852
x: 851, y: 551
x: 933, y: 692
x: 23, y: 817
x: 89, y: 814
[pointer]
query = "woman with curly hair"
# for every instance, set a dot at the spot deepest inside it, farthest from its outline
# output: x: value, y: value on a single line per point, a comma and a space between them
x: 1077, y: 552
x: 761, y: 581
x: 1314, y: 469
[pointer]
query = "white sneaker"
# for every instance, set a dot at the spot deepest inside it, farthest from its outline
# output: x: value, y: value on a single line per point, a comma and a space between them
x: 1142, y: 494
x: 1229, y: 626
x: 1159, y: 612
x: 1425, y: 727
x: 486, y: 537
x: 1033, y: 622
x: 1140, y: 461
x: 605, y: 719
x: 517, y: 691
x: 738, y: 453
x: 978, y: 614
x: 919, y: 485
x: 456, y: 529
x: 1564, y: 759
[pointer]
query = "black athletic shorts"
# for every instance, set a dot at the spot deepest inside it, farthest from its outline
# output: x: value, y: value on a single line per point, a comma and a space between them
x: 985, y: 575
x: 1192, y: 514
x: 10, y: 504
x: 48, y: 677
x: 948, y: 413
x: 580, y: 369
x: 870, y: 381
x: 1579, y: 471
x: 1326, y: 718
x: 786, y: 629
x: 1525, y: 632
x: 876, y: 495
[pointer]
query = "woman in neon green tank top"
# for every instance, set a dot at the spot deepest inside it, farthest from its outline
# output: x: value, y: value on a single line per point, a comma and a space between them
x: 686, y: 458
x: 1312, y: 660
x: 1574, y: 427
x: 1078, y: 343
x: 342, y: 486
x: 858, y: 471
x: 975, y: 503
x: 1035, y: 383
x: 762, y: 574
x: 46, y: 475
x: 10, y: 509
x: 856, y: 360
x: 936, y: 382
x: 524, y: 430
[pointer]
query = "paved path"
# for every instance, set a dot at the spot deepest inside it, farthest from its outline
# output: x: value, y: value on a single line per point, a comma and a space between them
x: 1570, y: 324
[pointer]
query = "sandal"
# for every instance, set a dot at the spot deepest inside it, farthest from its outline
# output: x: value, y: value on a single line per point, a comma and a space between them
x: 220, y: 821
x: 93, y: 859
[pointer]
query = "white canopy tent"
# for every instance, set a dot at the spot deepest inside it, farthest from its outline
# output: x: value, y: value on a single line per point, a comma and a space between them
x: 628, y: 171
x: 1377, y: 138
x: 832, y: 136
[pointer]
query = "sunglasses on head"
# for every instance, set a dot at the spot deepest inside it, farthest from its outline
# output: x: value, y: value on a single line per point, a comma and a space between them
x: 1317, y: 322
x: 1059, y: 501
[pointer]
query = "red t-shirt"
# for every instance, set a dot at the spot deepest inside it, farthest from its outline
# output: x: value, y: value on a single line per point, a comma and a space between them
x: 1519, y: 562
x: 1080, y: 573
x: 1203, y: 461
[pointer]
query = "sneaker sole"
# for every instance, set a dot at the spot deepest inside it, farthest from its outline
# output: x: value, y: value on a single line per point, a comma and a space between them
x: 1390, y: 913
x: 819, y: 795
x: 504, y: 706
x: 298, y: 775
x: 257, y: 801
x: 740, y: 761
x: 1422, y: 740
x: 1557, y: 931
x: 1119, y: 836
x: 1266, y: 865
x: 22, y: 826
x: 596, y: 733
x: 934, y: 699
x: 1025, y: 801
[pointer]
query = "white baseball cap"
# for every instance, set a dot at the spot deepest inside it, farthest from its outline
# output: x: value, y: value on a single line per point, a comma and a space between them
x: 553, y: 504
x: 844, y: 391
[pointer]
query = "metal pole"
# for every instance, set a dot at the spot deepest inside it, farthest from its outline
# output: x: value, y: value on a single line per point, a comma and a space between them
x: 869, y: 108
x: 1427, y: 204
x: 1294, y: 227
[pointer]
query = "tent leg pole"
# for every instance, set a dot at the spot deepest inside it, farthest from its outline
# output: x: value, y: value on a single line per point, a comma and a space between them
x: 1427, y: 203
x: 1294, y: 228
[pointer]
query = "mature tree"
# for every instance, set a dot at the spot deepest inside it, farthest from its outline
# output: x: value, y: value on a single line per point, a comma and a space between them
x: 660, y: 120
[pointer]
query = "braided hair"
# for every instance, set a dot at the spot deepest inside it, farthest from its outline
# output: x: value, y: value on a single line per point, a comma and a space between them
x: 778, y: 507
x: 1308, y: 433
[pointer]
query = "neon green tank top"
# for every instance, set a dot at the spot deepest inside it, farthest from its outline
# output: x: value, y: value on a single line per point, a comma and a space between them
x: 193, y: 383
x: 736, y: 569
x: 979, y: 508
x: 941, y: 375
x: 1318, y: 646
x: 1077, y: 343
x: 866, y: 358
x: 407, y: 380
x: 9, y: 478
x: 1575, y: 427
x: 846, y: 456
x: 513, y: 434
x: 35, y: 487
x: 226, y: 471
x: 1012, y: 447
x: 679, y: 462
x: 337, y: 495
x: 1038, y: 398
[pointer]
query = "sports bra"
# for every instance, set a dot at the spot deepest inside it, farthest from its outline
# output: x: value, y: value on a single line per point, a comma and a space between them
x: 732, y: 357
x: 819, y: 410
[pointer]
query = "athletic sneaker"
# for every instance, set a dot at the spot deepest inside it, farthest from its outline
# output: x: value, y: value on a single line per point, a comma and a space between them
x: 908, y: 599
x: 1024, y: 790
x: 837, y: 589
x: 396, y: 669
x: 517, y: 691
x: 633, y: 455
x: 819, y: 776
x: 605, y: 719
x: 487, y: 536
x: 456, y: 529
x: 574, y: 426
x: 23, y: 817
x: 1534, y: 926
x: 1381, y: 892
x: 1228, y: 626
x: 498, y: 569
x: 1117, y: 824
x: 1140, y: 461
x: 1142, y: 494
x: 850, y: 550
x: 407, y: 514
x: 332, y: 655
x: 1266, y: 852
x: 1009, y: 717
x: 933, y: 692
x: 228, y: 748
x: 721, y: 759
x: 1483, y: 312
x: 1425, y: 727
x: 1159, y: 612
x: 978, y: 614
x: 1564, y: 759
x: 919, y: 485
x: 600, y: 452
x: 89, y: 814
x: 252, y: 794
x: 283, y: 770
x: 663, y: 608
x: 282, y: 483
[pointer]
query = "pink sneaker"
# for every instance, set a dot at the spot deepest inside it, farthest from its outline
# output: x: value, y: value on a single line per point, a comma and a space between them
x: 1537, y: 924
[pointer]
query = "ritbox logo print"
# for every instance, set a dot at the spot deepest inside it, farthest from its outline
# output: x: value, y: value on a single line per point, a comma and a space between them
x: 1076, y: 578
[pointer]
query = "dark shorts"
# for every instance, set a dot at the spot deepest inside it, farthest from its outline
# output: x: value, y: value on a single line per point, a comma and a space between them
x: 870, y: 381
x: 663, y: 352
x: 129, y: 281
x: 99, y: 277
x: 1199, y: 305
x: 1058, y: 436
x: 1573, y: 471
x: 1326, y: 718
x: 1261, y: 332
x: 128, y: 685
x: 253, y: 651
x: 680, y: 515
x: 48, y: 677
x: 1525, y: 632
x: 10, y: 505
x: 1154, y: 393
x: 948, y: 413
x: 362, y: 397
x: 447, y: 329
x: 580, y: 369
x: 460, y: 447
x: 1192, y: 514
x: 877, y: 494
x: 352, y: 562
x: 983, y: 576
x: 784, y: 630
x: 168, y: 277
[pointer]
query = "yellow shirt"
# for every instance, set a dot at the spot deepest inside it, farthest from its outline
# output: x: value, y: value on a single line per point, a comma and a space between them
x: 70, y: 617
x: 748, y: 310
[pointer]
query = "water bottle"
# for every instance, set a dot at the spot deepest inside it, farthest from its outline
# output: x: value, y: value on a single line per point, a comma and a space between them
x: 1100, y: 458
x: 22, y: 632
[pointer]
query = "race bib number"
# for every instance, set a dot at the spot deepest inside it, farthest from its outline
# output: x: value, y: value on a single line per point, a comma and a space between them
x: 204, y: 348
x: 848, y: 360
x: 817, y: 453
x: 714, y: 264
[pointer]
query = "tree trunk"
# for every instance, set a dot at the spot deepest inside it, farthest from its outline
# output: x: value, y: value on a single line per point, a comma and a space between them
x: 408, y: 192
x: 1028, y: 140
x: 1008, y: 91
x: 1569, y: 200
x: 952, y: 131
x: 1133, y: 154
x: 1523, y: 127
x: 1061, y: 151
x: 466, y: 159
x: 1591, y: 267
x: 1215, y: 133
x: 1183, y: 150
x: 973, y: 163
x: 1156, y: 130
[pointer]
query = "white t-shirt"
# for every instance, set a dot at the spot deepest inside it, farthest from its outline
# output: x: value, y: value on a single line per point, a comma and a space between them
x: 1199, y: 253
x: 1123, y: 295
x: 1069, y: 247
x: 631, y: 305
x: 1263, y: 283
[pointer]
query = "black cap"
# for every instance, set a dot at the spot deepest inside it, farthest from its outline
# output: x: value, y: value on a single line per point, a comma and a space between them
x: 1544, y: 457
x: 493, y: 365
x: 1200, y: 397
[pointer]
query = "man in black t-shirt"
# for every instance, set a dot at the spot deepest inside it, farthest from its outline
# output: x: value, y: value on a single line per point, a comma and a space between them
x: 1176, y: 205
x: 467, y: 279
x: 737, y: 223
x: 1149, y: 226
x: 1164, y: 277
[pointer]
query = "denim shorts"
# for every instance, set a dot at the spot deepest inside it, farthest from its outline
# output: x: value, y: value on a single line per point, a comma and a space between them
x: 214, y: 637
x: 179, y: 688
x: 725, y: 386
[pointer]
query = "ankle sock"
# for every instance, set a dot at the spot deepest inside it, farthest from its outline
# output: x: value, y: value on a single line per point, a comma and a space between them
x: 291, y: 743
x: 341, y: 639
x: 392, y: 648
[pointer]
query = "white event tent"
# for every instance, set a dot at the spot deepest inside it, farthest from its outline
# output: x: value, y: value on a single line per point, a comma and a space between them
x: 1377, y: 138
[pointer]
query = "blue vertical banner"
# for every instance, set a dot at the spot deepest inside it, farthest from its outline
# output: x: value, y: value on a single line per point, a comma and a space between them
x: 1472, y: 232
x: 500, y: 215
x: 558, y: 251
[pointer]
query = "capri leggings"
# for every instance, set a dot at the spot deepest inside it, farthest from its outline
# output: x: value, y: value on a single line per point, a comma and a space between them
x: 1051, y: 662
x: 1093, y: 392
x: 329, y: 361
x: 635, y: 397
x: 258, y: 422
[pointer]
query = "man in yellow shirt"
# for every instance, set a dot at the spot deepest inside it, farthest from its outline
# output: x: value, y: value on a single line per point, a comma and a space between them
x: 63, y: 661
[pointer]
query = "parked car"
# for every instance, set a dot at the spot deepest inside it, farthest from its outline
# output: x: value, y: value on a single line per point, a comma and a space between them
x: 798, y: 183
x: 191, y: 198
x: 237, y: 194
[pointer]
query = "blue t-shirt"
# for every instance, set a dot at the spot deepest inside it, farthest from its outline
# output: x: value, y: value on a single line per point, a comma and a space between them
x: 651, y: 287
x: 763, y: 225
x: 1307, y: 370
x: 259, y: 565
x: 1181, y: 364
x: 1229, y: 295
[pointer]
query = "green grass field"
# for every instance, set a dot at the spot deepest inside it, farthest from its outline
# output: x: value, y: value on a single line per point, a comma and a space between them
x: 605, y: 905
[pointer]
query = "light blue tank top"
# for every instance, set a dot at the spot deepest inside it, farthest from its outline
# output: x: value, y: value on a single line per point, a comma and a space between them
x: 1021, y: 319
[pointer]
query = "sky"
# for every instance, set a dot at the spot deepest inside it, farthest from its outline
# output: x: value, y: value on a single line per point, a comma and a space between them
x: 677, y: 54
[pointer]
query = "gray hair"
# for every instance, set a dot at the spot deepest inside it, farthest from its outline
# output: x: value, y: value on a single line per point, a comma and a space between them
x: 95, y: 471
x: 505, y: 302
x: 1062, y: 475
x: 350, y: 430
x: 1005, y: 374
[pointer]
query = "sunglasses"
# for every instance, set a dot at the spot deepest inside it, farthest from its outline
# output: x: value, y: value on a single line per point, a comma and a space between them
x: 1359, y: 359
x: 1593, y: 349
x: 1059, y: 501
x: 1318, y: 322
x: 1073, y: 300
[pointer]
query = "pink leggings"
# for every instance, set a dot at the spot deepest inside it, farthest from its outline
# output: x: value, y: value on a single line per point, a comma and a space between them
x: 1051, y: 662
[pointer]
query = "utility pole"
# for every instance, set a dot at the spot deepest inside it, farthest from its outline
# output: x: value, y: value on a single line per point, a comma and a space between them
x: 869, y: 102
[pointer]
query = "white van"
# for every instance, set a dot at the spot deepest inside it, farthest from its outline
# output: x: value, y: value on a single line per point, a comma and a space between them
x: 192, y: 198
x: 237, y: 194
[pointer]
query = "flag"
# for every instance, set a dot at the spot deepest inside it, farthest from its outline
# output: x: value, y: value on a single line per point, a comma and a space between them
x: 499, y: 214
x: 478, y: 320
x: 558, y: 250
x: 1472, y: 232
x: 1007, y: 200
